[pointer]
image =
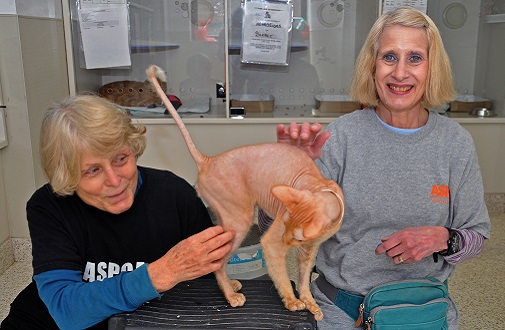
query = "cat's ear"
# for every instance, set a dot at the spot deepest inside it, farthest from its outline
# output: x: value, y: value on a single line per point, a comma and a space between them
x: 287, y: 195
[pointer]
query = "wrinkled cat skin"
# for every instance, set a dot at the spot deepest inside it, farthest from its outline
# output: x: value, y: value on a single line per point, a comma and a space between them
x: 283, y: 181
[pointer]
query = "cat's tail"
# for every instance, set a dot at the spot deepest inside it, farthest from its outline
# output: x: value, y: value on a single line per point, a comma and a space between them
x: 153, y: 74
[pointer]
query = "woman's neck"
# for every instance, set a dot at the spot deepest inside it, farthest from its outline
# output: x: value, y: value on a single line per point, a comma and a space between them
x: 413, y: 118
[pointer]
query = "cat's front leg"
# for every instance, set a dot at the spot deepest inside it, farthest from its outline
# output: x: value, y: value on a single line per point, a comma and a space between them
x: 306, y: 257
x: 230, y: 288
x: 310, y: 304
x: 275, y: 256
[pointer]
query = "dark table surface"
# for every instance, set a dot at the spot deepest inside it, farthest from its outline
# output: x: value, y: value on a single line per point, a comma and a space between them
x: 199, y: 304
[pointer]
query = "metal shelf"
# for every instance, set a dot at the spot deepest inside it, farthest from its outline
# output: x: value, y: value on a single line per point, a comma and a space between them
x: 139, y: 46
x: 496, y: 18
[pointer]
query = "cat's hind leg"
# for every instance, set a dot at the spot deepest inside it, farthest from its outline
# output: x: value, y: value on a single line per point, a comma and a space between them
x: 275, y: 256
x: 228, y: 286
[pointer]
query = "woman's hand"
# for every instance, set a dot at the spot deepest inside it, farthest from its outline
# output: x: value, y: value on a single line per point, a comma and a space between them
x: 191, y: 258
x: 413, y: 244
x: 305, y: 136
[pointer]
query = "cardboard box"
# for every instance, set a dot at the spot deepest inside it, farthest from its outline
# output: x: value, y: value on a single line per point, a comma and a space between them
x: 254, y: 102
x: 336, y: 103
x: 466, y: 103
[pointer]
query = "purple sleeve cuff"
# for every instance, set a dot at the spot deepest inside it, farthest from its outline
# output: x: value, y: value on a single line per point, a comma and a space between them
x: 470, y: 246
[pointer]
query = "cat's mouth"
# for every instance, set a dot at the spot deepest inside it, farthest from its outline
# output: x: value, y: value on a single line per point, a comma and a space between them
x: 294, y: 242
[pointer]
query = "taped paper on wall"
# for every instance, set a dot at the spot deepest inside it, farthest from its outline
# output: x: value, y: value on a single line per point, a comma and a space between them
x: 389, y: 5
x: 104, y: 34
x: 266, y: 32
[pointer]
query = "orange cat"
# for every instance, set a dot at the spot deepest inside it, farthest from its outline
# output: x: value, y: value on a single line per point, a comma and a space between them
x: 283, y: 181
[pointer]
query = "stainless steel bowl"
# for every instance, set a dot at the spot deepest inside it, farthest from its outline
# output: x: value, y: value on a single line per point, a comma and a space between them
x: 483, y: 112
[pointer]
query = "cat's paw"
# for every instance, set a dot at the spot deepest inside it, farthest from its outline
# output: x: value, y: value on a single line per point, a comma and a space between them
x: 236, y: 285
x: 313, y: 307
x: 294, y: 304
x: 236, y: 299
x: 318, y: 314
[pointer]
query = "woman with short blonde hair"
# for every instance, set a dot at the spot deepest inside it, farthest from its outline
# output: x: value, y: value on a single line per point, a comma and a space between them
x: 107, y: 234
x: 85, y: 122
x: 410, y: 176
x: 440, y: 85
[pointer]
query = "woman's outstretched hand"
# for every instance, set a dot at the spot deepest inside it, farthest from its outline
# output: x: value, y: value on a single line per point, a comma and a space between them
x: 198, y: 255
x: 305, y: 136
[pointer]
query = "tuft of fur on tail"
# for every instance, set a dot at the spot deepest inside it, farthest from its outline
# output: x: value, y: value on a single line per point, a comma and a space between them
x: 158, y: 73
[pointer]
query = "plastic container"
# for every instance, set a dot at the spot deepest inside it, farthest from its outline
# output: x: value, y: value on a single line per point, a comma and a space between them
x: 336, y: 103
x: 248, y: 262
x: 254, y: 102
x: 466, y: 103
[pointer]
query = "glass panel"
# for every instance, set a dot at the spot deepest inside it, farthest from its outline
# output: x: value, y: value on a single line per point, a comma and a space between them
x: 186, y: 38
x: 473, y: 36
x: 458, y: 23
x: 325, y: 40
x: 182, y: 38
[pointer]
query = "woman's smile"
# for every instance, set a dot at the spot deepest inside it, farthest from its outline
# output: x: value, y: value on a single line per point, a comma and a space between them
x: 400, y: 88
x: 118, y: 196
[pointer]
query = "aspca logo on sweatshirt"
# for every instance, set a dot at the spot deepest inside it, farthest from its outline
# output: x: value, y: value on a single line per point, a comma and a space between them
x: 440, y: 194
x: 101, y: 270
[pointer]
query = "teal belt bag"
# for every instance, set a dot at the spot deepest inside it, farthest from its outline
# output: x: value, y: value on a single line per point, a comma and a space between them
x: 410, y: 304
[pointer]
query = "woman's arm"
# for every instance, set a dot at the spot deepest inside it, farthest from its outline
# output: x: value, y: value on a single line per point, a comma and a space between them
x: 470, y: 246
x: 74, y: 304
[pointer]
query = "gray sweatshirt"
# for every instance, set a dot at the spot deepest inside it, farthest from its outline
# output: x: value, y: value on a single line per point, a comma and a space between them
x: 393, y: 181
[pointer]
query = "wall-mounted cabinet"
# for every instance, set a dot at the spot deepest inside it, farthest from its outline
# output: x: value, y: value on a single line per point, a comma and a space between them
x: 199, y: 44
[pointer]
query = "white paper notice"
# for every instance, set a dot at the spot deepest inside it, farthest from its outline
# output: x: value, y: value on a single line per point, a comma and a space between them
x: 104, y: 32
x: 265, y: 37
x: 389, y: 5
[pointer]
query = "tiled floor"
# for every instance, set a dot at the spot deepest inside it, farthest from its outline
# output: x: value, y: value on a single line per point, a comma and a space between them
x: 478, y: 286
x: 12, y: 281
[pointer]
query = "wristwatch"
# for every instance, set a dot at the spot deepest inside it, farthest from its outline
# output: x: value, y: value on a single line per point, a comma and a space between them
x: 452, y: 243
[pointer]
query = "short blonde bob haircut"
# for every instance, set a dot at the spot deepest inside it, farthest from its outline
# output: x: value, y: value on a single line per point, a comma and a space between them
x: 439, y: 86
x: 84, y: 123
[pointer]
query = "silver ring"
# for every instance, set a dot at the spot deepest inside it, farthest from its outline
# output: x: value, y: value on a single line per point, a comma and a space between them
x: 400, y: 259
